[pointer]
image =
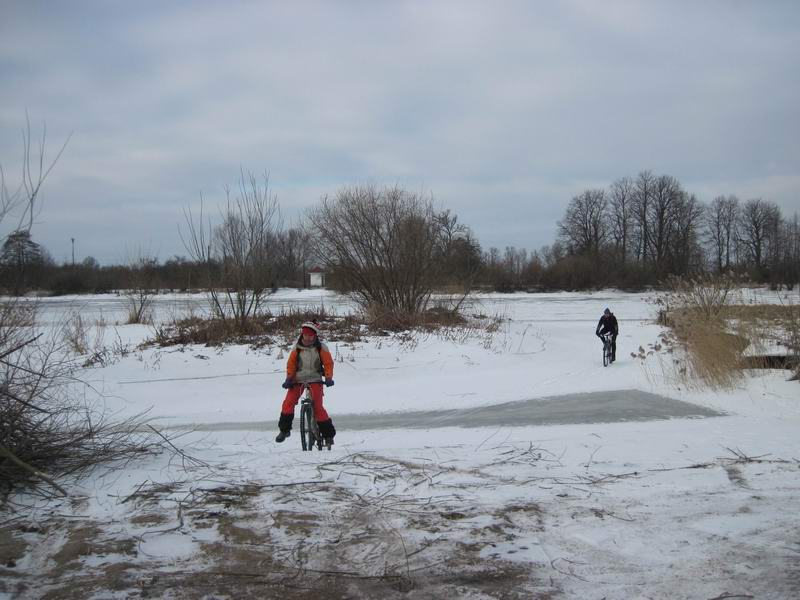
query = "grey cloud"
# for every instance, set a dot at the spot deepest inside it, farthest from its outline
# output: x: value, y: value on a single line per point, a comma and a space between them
x: 503, y: 111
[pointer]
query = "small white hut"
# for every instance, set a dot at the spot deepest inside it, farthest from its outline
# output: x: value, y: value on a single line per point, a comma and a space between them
x: 316, y: 277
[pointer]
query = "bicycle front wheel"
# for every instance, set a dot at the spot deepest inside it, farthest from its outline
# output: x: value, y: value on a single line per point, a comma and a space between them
x: 606, y: 354
x: 306, y: 427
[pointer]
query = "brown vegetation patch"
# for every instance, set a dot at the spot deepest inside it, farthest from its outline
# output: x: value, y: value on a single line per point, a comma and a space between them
x: 231, y: 529
x: 12, y: 546
x: 259, y: 331
x: 283, y: 328
x: 149, y: 519
x: 712, y: 355
x: 89, y: 540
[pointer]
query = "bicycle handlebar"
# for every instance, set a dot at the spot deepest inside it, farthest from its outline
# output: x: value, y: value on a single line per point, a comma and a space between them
x: 295, y: 384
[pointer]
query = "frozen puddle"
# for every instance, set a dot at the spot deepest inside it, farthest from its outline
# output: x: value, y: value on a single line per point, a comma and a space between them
x: 595, y: 407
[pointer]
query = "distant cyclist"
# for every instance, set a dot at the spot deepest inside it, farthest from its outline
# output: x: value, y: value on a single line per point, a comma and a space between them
x: 310, y: 364
x: 608, y: 324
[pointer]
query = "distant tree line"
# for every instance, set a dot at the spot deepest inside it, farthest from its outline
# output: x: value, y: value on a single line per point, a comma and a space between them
x: 35, y: 269
x: 641, y: 230
x: 388, y: 246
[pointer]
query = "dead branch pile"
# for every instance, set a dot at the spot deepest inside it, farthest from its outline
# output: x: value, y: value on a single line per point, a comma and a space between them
x: 49, y: 430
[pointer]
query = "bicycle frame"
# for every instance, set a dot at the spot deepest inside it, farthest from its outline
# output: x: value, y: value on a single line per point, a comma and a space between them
x: 606, y: 349
x: 309, y: 429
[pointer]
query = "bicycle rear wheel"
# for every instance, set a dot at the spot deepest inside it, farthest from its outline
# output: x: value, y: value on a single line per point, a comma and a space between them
x: 306, y: 427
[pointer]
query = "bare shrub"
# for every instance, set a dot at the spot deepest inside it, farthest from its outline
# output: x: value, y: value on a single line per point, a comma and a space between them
x: 48, y: 430
x: 142, y: 286
x: 238, y: 256
x: 377, y: 318
x: 386, y: 247
x: 706, y: 295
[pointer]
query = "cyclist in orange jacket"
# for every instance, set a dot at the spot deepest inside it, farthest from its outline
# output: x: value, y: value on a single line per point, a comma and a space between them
x: 310, y: 364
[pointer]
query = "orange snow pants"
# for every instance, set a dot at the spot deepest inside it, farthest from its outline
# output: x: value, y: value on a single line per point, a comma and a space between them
x: 293, y: 397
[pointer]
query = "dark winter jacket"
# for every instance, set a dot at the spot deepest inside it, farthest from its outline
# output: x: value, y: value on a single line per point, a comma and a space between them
x: 608, y: 324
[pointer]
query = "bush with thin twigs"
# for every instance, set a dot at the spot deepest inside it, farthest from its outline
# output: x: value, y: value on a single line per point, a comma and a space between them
x: 76, y: 334
x: 47, y: 431
x: 139, y: 306
x: 705, y: 295
x: 435, y: 317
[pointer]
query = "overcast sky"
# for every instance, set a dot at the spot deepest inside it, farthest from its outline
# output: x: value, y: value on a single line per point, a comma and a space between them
x: 502, y: 111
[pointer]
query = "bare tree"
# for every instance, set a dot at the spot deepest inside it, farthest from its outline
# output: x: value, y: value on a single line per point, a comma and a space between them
x: 238, y: 254
x: 47, y: 430
x: 35, y: 170
x: 294, y: 255
x: 142, y: 285
x: 19, y: 251
x: 584, y: 228
x: 514, y: 262
x: 458, y: 251
x: 621, y: 215
x: 753, y: 229
x: 19, y: 256
x: 720, y: 221
x: 662, y: 213
x: 643, y: 191
x: 792, y: 256
x: 685, y: 253
x: 777, y: 240
x: 381, y: 243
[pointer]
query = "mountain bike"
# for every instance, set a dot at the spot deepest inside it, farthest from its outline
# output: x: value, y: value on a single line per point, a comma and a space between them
x: 309, y: 430
x: 607, y: 349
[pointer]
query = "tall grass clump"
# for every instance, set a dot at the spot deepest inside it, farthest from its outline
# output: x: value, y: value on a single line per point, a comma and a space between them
x: 714, y: 337
x: 709, y: 353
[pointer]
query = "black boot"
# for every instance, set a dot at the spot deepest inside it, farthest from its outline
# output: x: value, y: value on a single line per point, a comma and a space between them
x: 285, y: 425
x: 327, y: 431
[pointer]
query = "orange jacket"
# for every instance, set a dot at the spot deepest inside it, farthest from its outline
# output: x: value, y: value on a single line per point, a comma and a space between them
x: 320, y: 362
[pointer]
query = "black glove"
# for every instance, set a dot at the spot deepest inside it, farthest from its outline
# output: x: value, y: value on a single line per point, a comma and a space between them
x: 328, y: 382
x: 288, y: 383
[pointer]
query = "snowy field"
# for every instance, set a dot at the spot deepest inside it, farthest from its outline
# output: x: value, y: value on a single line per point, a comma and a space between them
x: 686, y: 507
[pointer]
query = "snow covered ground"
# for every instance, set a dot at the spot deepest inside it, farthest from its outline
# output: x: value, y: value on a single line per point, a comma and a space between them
x: 701, y: 507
